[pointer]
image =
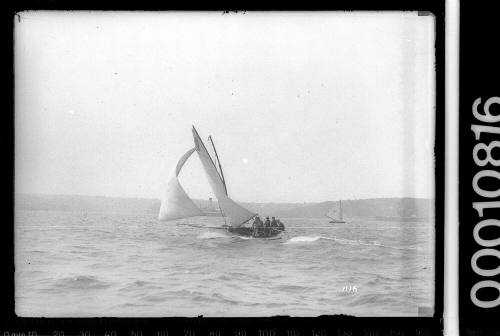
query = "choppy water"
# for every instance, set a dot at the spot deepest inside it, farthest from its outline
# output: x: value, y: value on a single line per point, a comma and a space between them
x: 99, y: 264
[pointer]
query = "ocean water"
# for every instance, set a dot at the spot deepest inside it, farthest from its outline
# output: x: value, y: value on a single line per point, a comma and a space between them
x: 74, y: 264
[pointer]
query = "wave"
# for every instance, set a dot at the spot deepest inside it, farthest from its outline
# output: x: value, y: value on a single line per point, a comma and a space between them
x: 345, y: 241
x: 139, y: 285
x: 207, y: 298
x: 401, y: 247
x: 292, y: 288
x: 154, y: 298
x: 212, y: 235
x: 191, y: 295
x: 306, y: 239
x: 81, y: 282
x: 374, y: 299
x: 131, y: 305
x: 376, y: 279
x: 224, y: 299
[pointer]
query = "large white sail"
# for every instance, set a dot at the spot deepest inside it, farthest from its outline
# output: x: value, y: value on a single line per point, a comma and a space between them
x: 236, y: 214
x: 175, y: 203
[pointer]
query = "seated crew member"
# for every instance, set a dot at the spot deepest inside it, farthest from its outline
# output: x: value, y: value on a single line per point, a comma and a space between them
x: 260, y: 226
x: 281, y: 226
x: 267, y: 226
x: 274, y: 225
x: 255, y: 226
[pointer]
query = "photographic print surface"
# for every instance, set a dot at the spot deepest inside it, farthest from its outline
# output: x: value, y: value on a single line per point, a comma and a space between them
x: 147, y: 144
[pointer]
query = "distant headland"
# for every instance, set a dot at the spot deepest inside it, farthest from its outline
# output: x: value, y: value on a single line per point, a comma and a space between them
x: 372, y: 208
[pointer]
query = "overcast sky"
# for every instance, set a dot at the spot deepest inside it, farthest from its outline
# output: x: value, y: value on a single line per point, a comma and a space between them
x: 302, y: 107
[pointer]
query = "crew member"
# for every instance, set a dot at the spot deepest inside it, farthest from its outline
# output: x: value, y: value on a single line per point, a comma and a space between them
x: 267, y: 226
x: 274, y: 225
x: 281, y: 226
x: 256, y: 226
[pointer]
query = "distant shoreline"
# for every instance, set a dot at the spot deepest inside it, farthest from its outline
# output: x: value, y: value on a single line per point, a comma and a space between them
x: 371, y: 208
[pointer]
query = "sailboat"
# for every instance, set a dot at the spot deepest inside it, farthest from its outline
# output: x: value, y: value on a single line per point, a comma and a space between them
x: 176, y: 204
x: 336, y: 213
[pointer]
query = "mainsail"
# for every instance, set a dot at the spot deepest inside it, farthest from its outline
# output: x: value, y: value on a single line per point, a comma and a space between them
x: 176, y: 203
x: 335, y: 212
x: 236, y: 214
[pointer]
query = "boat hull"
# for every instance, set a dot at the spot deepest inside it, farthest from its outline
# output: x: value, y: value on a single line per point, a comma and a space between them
x: 260, y: 233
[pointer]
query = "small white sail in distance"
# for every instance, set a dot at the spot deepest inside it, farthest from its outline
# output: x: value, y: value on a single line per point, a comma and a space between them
x: 335, y: 212
x: 236, y: 214
x: 175, y: 203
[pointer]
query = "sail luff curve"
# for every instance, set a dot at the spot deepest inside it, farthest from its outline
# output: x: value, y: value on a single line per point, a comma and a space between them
x: 236, y: 214
x: 175, y: 203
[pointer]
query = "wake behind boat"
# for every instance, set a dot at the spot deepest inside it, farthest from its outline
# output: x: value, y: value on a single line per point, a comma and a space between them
x: 176, y: 204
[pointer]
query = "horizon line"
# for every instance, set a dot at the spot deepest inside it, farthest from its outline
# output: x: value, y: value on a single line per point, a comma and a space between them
x: 215, y: 198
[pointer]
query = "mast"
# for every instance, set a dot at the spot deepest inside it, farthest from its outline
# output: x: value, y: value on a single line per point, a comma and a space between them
x: 236, y: 214
x: 218, y: 162
x: 341, y: 215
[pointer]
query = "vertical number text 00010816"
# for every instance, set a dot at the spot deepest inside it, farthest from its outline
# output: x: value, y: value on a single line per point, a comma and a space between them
x: 488, y: 168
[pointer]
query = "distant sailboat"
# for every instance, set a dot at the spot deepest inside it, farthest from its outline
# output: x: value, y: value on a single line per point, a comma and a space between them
x: 336, y: 213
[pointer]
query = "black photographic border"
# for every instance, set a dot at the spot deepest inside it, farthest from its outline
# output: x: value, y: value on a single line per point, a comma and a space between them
x: 334, y: 325
x: 479, y: 76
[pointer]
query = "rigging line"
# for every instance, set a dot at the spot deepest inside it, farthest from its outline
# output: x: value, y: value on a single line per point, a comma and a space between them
x: 249, y: 219
x: 197, y: 148
x: 218, y: 162
x: 223, y: 217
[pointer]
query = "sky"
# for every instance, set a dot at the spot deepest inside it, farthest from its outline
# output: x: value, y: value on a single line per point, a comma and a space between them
x: 302, y: 107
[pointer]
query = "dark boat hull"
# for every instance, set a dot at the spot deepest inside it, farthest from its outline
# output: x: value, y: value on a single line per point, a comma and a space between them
x: 260, y: 233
